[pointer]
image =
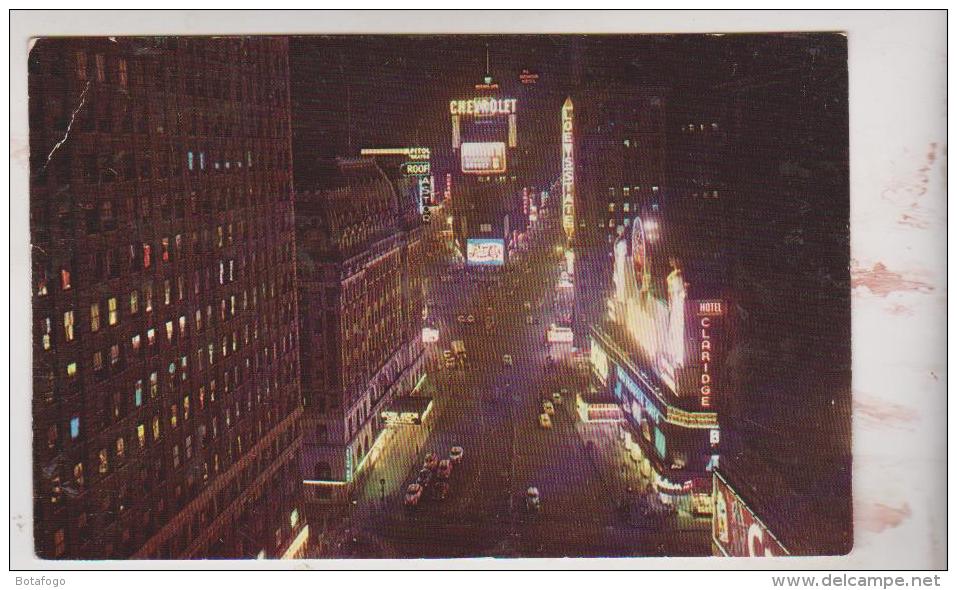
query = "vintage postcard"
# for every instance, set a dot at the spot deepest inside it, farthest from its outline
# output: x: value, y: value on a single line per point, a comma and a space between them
x: 392, y: 296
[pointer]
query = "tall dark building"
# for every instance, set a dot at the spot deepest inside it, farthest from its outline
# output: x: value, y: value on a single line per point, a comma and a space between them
x: 166, y: 365
x: 786, y: 426
x: 359, y: 264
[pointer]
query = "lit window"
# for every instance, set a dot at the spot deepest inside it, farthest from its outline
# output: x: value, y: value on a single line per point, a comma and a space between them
x: 78, y: 474
x: 136, y: 342
x: 172, y: 415
x: 626, y: 207
x: 47, y: 328
x: 134, y: 302
x: 71, y: 370
x: 141, y: 435
x: 148, y: 296
x: 65, y: 281
x: 199, y: 320
x: 114, y: 354
x: 164, y: 249
x: 97, y: 360
x: 189, y: 160
x: 104, y: 461
x: 185, y: 407
x: 75, y: 427
x: 611, y: 207
x: 156, y: 428
x: 138, y: 393
x: 59, y: 543
x: 189, y: 447
x: 120, y: 448
x: 113, y: 310
x: 151, y: 336
x: 175, y: 456
x: 169, y: 330
x: 147, y: 255
x: 154, y: 384
x: 294, y: 518
x: 202, y: 160
x: 68, y: 326
x: 95, y: 317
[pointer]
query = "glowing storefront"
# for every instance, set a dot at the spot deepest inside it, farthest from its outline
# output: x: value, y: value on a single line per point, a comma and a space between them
x: 661, y: 358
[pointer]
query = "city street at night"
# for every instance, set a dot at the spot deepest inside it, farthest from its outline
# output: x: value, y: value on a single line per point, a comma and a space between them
x: 323, y: 297
x: 492, y: 411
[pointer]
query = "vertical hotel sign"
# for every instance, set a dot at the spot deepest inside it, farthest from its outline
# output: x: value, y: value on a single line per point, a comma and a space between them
x: 709, y: 316
x: 568, y: 168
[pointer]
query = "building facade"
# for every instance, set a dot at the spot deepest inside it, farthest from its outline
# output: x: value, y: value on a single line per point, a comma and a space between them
x: 360, y: 249
x: 166, y: 359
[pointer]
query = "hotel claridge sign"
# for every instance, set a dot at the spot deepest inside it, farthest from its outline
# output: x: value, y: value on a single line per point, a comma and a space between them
x: 548, y: 299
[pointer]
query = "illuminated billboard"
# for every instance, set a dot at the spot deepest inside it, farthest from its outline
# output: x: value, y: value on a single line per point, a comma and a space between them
x: 735, y: 530
x: 483, y: 157
x: 568, y: 169
x: 485, y: 251
x: 487, y: 106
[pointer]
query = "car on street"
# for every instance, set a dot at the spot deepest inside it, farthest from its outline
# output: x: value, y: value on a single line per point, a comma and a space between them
x: 424, y: 478
x: 413, y: 494
x: 548, y: 408
x: 557, y: 399
x: 544, y: 420
x: 456, y: 454
x: 440, y: 491
x: 444, y: 470
x: 431, y: 461
x: 507, y: 360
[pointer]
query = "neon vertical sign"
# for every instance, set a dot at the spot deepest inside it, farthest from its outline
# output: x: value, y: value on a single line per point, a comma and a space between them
x: 568, y: 168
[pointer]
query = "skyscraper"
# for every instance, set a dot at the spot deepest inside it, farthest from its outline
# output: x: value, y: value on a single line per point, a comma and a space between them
x: 166, y: 380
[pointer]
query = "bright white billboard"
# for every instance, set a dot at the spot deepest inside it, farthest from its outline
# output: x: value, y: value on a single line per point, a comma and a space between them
x: 483, y: 157
x: 485, y: 251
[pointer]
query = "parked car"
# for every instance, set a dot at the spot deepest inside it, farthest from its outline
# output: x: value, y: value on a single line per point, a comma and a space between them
x: 507, y: 360
x: 424, y: 478
x: 440, y: 491
x: 444, y: 470
x: 548, y: 408
x: 557, y: 399
x: 544, y: 421
x: 456, y: 454
x: 413, y: 494
x: 431, y: 460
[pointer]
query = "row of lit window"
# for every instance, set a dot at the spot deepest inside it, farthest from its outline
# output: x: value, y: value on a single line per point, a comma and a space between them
x: 700, y: 127
x: 626, y: 190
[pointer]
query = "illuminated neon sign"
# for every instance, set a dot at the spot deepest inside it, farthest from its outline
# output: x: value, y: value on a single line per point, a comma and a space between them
x: 483, y: 157
x: 487, y: 106
x: 568, y: 169
x: 709, y: 313
x: 485, y: 251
